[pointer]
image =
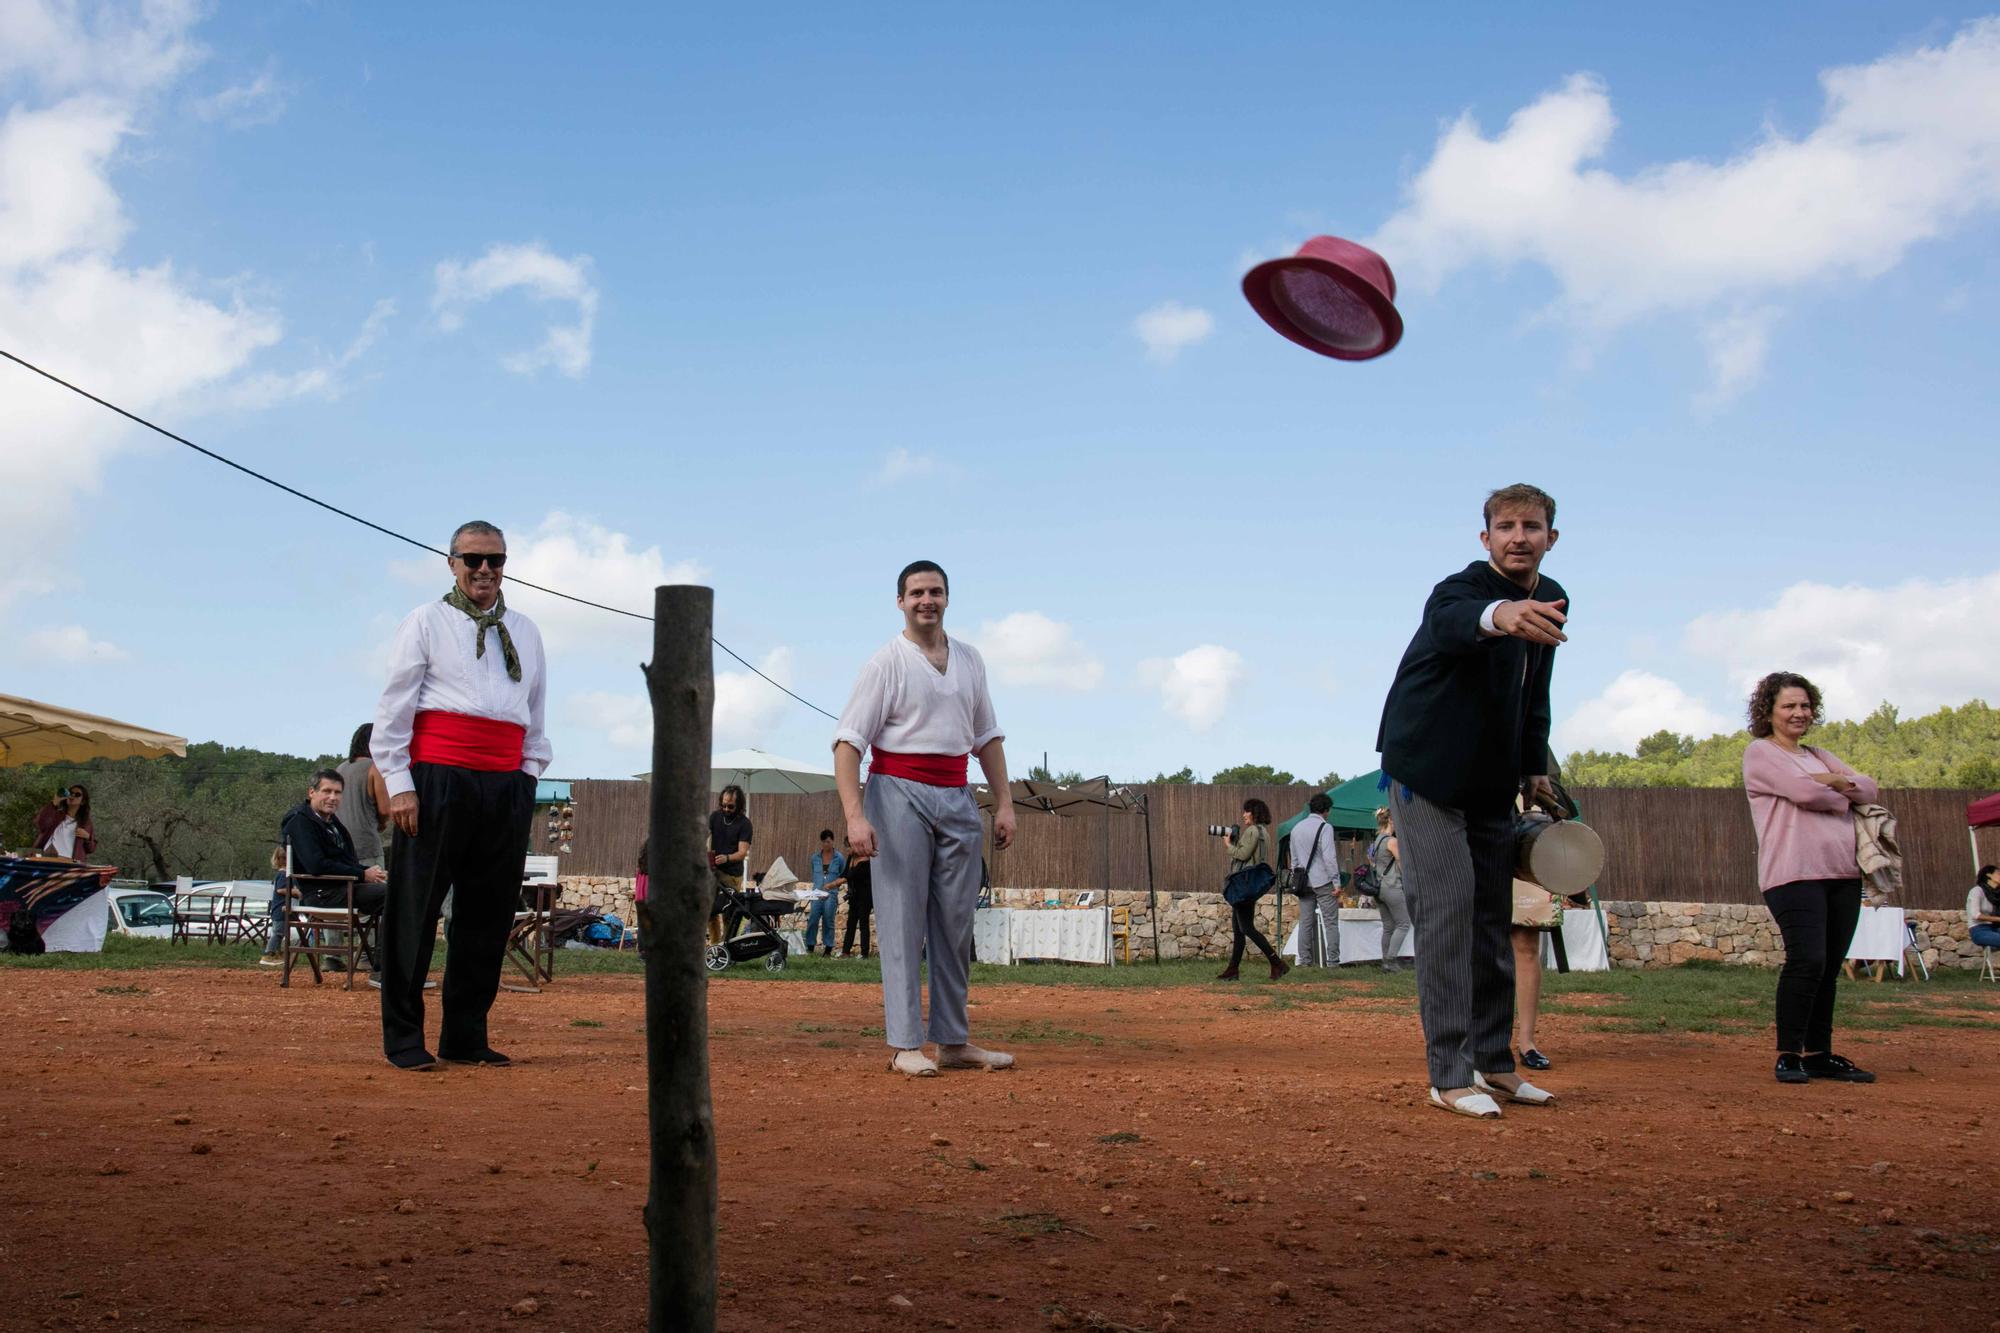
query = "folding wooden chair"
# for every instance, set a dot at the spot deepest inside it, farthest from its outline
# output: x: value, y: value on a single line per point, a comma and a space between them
x: 531, y: 944
x: 193, y: 918
x: 234, y: 923
x: 1121, y: 929
x: 339, y: 930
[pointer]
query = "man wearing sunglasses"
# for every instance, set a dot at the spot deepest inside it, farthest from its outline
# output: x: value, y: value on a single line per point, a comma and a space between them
x: 459, y: 742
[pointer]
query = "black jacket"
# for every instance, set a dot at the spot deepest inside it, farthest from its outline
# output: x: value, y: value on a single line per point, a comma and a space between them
x: 319, y: 846
x: 1468, y: 717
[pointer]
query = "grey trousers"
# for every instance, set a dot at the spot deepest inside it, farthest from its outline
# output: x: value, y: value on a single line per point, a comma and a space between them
x: 1458, y: 871
x: 1319, y: 929
x: 928, y: 845
x: 1395, y: 906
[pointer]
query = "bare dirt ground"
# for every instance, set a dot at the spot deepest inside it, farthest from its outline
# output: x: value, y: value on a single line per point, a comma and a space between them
x: 200, y: 1148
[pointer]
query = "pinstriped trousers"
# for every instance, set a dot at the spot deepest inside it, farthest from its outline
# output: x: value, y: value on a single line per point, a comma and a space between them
x: 1458, y: 871
x: 928, y: 845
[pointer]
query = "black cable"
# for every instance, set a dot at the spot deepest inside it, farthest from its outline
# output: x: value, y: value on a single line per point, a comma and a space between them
x: 387, y: 532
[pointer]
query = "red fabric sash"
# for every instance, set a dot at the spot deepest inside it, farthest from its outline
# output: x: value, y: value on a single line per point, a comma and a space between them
x: 484, y: 744
x: 936, y: 770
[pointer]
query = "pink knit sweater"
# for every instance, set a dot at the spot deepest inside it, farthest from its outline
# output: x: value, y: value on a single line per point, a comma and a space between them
x: 1805, y: 830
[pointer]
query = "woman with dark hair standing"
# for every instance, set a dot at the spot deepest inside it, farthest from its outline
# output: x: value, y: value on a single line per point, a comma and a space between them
x: 1248, y: 849
x: 1802, y: 801
x: 1982, y: 909
x: 63, y: 827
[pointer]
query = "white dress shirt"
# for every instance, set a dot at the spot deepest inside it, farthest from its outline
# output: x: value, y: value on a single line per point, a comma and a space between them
x: 907, y: 706
x: 1323, y: 869
x: 432, y: 666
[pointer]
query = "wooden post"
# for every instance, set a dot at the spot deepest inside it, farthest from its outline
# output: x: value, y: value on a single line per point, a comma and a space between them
x: 681, y: 1194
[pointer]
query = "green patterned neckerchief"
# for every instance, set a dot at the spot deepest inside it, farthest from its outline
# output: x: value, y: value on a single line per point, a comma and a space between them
x: 488, y: 620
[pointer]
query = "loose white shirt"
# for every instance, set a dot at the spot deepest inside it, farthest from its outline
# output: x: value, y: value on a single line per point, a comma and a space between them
x: 62, y: 839
x: 1322, y: 868
x: 432, y: 666
x: 903, y: 704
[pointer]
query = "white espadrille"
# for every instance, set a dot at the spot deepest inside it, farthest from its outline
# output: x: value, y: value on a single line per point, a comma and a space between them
x: 1527, y: 1093
x: 1475, y: 1104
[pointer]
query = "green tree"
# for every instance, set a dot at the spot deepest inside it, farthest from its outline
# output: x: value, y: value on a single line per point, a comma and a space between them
x: 1330, y: 781
x: 1067, y: 778
x: 1183, y: 778
x: 1953, y: 747
x: 1252, y: 775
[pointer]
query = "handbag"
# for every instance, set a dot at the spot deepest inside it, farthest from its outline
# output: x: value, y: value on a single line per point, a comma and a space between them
x: 1251, y: 882
x: 1302, y: 875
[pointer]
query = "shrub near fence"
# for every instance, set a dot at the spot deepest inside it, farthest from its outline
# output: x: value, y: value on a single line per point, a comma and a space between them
x: 1673, y: 844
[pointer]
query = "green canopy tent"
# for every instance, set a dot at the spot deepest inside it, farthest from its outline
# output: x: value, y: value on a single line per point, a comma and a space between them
x: 1355, y: 802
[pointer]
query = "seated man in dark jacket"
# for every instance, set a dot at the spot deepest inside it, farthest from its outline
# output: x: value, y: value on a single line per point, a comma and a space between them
x: 321, y: 846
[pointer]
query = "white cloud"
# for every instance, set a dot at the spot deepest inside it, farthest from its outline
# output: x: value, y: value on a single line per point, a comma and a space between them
x: 747, y: 708
x: 1634, y: 706
x: 541, y: 274
x: 1028, y: 648
x: 626, y: 720
x: 585, y: 559
x: 1169, y: 328
x: 1905, y: 149
x: 258, y: 102
x: 321, y: 381
x: 1195, y: 687
x: 901, y: 465
x: 1919, y: 644
x: 69, y: 644
x: 150, y: 337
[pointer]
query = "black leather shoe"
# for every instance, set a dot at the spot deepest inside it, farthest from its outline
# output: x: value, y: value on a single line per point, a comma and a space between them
x: 485, y: 1056
x: 1534, y: 1059
x: 1792, y: 1068
x: 1836, y: 1067
x: 418, y: 1058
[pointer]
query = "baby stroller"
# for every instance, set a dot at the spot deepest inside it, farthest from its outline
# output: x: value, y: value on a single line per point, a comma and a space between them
x: 750, y: 920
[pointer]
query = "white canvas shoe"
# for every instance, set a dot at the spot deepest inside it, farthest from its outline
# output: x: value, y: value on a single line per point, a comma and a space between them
x: 913, y: 1064
x: 1526, y: 1093
x: 1475, y: 1104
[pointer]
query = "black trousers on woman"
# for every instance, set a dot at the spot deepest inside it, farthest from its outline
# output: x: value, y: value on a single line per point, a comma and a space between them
x: 1243, y: 925
x: 1817, y: 918
x: 472, y: 837
x: 860, y: 902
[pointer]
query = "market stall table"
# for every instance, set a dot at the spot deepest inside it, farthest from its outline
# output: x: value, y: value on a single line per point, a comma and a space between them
x: 1011, y: 934
x: 1880, y: 937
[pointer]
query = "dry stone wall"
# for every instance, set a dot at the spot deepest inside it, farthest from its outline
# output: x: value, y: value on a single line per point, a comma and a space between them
x: 1196, y: 925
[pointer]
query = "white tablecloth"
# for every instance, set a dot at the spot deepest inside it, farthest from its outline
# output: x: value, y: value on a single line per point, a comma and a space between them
x: 1361, y: 940
x: 1880, y: 937
x: 1011, y: 934
x: 1360, y: 935
x: 81, y: 929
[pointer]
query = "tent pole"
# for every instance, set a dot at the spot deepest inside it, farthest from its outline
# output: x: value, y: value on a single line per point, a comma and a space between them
x: 1152, y: 897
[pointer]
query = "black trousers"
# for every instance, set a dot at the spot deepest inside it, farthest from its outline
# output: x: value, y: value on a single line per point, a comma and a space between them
x: 1817, y: 918
x: 472, y: 837
x: 860, y: 902
x: 1243, y: 926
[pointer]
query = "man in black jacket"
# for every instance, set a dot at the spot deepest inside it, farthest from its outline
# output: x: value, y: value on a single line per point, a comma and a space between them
x: 321, y: 846
x: 1464, y: 731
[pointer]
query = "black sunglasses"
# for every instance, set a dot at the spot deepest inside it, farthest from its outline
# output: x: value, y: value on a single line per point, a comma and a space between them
x: 476, y: 560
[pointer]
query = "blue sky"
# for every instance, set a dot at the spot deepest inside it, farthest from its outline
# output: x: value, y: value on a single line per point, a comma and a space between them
x: 780, y: 299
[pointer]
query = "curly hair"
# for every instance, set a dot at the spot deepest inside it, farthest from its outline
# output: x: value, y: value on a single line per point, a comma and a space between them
x: 1259, y: 812
x: 1765, y: 696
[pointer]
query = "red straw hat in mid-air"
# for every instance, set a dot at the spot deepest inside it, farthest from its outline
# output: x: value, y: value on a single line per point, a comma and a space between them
x: 1333, y: 296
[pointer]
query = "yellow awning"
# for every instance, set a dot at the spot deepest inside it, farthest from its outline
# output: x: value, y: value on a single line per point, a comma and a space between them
x: 38, y: 733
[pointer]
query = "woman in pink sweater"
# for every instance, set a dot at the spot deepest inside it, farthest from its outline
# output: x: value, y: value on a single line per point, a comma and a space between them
x: 1802, y: 801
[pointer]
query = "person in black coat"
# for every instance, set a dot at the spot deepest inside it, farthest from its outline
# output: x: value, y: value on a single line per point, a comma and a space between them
x: 1464, y: 731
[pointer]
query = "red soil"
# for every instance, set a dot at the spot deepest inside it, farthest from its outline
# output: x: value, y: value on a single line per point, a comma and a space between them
x: 219, y: 1152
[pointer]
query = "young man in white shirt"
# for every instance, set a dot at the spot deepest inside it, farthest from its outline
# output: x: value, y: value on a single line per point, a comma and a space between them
x: 1314, y: 850
x: 459, y: 742
x: 921, y: 704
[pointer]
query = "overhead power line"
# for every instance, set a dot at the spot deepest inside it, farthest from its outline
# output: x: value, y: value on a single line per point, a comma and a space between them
x: 386, y: 532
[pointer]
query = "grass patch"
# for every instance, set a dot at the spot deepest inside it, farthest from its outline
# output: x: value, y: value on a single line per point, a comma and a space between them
x: 1118, y: 1136
x: 123, y: 990
x: 586, y: 1023
x: 1039, y: 1224
x: 1041, y: 1030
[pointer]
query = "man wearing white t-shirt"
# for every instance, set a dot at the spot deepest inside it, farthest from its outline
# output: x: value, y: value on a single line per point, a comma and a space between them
x: 921, y: 704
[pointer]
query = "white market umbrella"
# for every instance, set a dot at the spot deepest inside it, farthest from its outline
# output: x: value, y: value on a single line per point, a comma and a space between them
x: 760, y: 773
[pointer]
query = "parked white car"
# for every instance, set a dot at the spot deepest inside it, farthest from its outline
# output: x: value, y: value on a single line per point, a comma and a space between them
x: 144, y: 914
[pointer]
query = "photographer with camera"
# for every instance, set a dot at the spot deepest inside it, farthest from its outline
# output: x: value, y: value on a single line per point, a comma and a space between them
x: 1249, y: 849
